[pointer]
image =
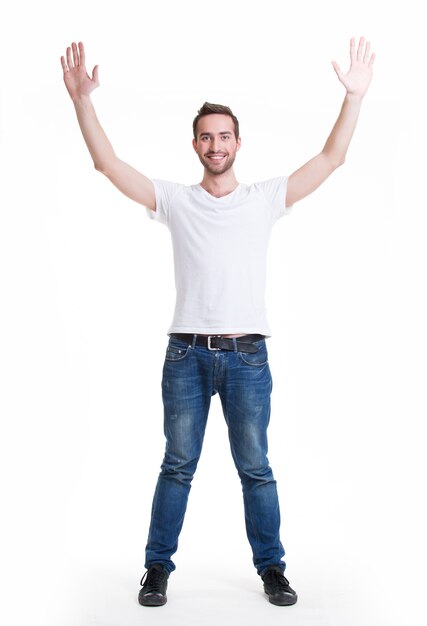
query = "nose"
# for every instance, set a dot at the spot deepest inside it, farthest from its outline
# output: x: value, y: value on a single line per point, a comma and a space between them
x: 215, y: 144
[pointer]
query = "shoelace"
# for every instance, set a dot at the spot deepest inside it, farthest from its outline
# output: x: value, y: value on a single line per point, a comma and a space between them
x: 276, y: 578
x: 153, y: 580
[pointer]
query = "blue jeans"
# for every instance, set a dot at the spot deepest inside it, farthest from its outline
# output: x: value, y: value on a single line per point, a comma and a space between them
x: 191, y: 376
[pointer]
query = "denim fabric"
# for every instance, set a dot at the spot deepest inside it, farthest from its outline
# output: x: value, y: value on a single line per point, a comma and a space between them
x: 191, y: 376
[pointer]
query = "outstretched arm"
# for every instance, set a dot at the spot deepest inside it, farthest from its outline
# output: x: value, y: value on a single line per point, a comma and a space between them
x: 80, y: 85
x: 312, y: 174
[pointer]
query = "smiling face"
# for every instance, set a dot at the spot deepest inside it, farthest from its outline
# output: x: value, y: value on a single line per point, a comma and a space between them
x: 216, y: 144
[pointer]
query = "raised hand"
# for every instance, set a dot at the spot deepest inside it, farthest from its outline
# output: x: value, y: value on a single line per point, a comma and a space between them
x: 76, y: 78
x: 359, y: 76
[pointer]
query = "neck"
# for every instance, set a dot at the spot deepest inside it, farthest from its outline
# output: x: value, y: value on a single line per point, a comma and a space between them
x: 221, y: 184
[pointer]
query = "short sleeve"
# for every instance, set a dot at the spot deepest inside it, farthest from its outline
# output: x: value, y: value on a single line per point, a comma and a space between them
x: 275, y: 191
x: 165, y: 192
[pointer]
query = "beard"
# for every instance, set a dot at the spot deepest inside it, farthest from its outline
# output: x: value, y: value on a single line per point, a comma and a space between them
x: 218, y: 169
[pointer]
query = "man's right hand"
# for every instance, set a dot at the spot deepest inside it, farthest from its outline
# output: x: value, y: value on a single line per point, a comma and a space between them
x: 80, y: 85
x: 76, y: 78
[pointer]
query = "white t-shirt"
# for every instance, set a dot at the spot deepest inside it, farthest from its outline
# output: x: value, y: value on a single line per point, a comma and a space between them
x: 220, y: 253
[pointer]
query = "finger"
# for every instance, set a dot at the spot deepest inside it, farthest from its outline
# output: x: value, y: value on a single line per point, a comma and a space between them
x: 95, y: 76
x: 64, y: 64
x: 69, y: 59
x: 337, y: 69
x: 352, y: 50
x: 372, y: 59
x: 75, y: 55
x: 360, y: 49
x: 82, y: 53
x: 367, y: 50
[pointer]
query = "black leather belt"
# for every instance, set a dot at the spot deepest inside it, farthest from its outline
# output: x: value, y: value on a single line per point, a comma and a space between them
x: 246, y: 343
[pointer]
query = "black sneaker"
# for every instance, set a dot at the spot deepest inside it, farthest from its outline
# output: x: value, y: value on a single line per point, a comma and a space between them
x: 153, y: 592
x: 276, y: 586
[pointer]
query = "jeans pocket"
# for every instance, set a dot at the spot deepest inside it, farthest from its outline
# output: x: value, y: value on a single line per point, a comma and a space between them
x: 256, y: 359
x: 176, y: 353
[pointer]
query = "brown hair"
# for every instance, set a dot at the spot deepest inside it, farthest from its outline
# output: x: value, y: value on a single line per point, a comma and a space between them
x: 208, y: 109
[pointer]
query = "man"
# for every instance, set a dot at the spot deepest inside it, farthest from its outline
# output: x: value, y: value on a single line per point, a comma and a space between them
x: 220, y: 231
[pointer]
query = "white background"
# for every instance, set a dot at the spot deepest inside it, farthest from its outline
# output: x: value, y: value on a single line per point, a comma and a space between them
x: 87, y: 296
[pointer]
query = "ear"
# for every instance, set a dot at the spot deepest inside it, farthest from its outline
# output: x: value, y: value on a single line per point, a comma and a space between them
x: 238, y: 143
x: 195, y: 145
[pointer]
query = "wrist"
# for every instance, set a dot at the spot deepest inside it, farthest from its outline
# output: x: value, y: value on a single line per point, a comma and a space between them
x: 352, y: 101
x: 81, y: 99
x: 354, y: 97
x: 83, y: 104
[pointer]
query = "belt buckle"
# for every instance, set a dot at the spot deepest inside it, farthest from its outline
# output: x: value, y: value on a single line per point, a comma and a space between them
x: 209, y: 342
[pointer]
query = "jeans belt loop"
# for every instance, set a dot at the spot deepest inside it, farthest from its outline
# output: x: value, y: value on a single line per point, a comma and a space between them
x: 194, y: 341
x: 235, y: 343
